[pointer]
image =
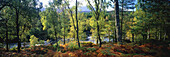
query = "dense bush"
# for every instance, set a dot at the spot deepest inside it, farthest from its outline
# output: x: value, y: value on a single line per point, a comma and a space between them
x: 1, y: 45
x: 14, y: 49
x: 48, y: 41
x: 33, y: 40
x: 41, y: 42
x: 73, y: 45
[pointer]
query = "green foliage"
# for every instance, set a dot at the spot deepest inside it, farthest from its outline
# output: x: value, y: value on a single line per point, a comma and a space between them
x: 150, y: 20
x: 1, y: 45
x: 55, y: 45
x: 41, y: 42
x: 48, y: 41
x: 73, y: 45
x: 39, y: 33
x: 59, y: 42
x: 83, y: 48
x: 33, y: 40
x: 51, y: 21
x: 57, y: 2
x: 14, y: 49
x: 91, y: 49
x: 107, y: 52
x: 86, y: 53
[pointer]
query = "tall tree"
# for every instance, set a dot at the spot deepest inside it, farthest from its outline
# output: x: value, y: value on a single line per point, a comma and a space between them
x: 72, y: 17
x: 64, y: 22
x: 23, y: 5
x: 117, y: 21
x: 158, y: 11
x: 50, y: 21
x: 5, y: 22
x: 77, y: 26
x: 122, y: 3
x: 96, y: 10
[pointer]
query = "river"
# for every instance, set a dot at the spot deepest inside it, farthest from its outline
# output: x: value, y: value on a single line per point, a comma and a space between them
x: 88, y: 39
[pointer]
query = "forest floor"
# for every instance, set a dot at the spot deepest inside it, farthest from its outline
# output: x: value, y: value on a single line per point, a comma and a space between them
x: 152, y: 49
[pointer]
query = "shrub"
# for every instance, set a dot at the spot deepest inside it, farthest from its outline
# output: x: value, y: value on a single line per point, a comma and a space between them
x: 91, y: 49
x: 48, y: 41
x: 40, y: 51
x: 41, y: 42
x: 73, y: 45
x: 55, y: 45
x: 1, y: 45
x: 14, y: 49
x: 83, y: 48
x: 33, y: 40
x: 87, y: 44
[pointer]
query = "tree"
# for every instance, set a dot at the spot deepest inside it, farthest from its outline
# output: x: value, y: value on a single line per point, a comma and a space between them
x: 50, y: 22
x: 157, y: 18
x: 122, y: 3
x: 76, y: 19
x: 117, y: 23
x: 5, y: 21
x: 77, y: 26
x: 99, y: 6
x: 4, y: 3
x: 125, y: 6
x: 64, y: 23
x: 72, y: 18
x: 20, y: 6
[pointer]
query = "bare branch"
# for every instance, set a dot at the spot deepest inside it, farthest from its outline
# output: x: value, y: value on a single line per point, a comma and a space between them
x: 91, y: 6
x: 71, y: 13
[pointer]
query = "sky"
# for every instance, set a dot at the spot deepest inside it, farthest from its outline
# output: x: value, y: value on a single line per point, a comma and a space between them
x: 72, y: 3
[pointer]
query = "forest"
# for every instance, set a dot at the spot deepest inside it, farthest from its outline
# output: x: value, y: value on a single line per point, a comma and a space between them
x: 63, y: 28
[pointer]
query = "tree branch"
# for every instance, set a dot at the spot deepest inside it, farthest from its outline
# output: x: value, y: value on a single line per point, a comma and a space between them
x: 4, y: 3
x: 92, y: 8
x: 71, y: 13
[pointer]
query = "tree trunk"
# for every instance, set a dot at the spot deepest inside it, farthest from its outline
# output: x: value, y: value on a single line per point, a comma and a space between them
x: 64, y: 35
x: 117, y: 23
x: 160, y: 33
x: 71, y: 13
x: 132, y: 37
x: 156, y: 33
x: 77, y: 26
x: 97, y: 17
x: 56, y: 36
x: 47, y: 34
x: 7, y: 49
x: 144, y: 37
x: 164, y: 36
x: 115, y: 36
x: 17, y: 27
x: 148, y: 36
x: 98, y: 33
x: 74, y: 35
x: 64, y: 25
x: 122, y: 19
x: 109, y: 36
x: 97, y: 40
